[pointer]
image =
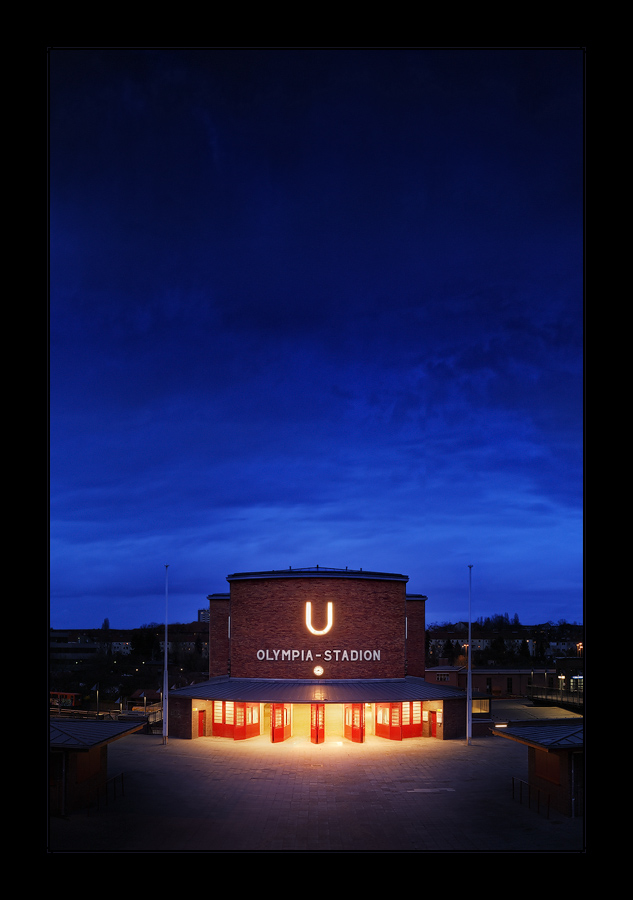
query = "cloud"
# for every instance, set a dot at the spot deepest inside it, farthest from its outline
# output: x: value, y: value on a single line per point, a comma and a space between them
x: 313, y: 304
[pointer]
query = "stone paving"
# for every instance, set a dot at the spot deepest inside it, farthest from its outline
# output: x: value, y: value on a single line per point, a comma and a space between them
x: 219, y: 796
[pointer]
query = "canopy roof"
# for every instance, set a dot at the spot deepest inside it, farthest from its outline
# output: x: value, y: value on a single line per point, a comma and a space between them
x: 277, y: 690
x: 83, y: 734
x: 546, y: 737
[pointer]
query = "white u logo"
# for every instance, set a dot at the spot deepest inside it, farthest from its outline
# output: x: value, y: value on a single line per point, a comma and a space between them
x: 309, y: 619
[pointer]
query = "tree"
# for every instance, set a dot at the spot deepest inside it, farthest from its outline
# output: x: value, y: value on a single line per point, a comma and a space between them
x: 145, y: 641
x: 498, y: 650
x: 524, y: 651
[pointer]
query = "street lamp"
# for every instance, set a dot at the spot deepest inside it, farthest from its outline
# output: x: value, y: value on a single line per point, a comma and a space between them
x: 469, y: 692
x: 165, y: 676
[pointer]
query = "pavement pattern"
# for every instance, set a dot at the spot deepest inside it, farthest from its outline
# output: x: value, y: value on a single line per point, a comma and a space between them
x: 219, y: 796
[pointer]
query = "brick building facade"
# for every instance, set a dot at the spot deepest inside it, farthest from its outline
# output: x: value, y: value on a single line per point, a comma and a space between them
x: 275, y: 625
x: 317, y: 652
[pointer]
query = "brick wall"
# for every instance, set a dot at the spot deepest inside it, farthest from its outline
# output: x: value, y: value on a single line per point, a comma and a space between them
x: 205, y: 707
x: 454, y: 719
x: 268, y: 623
x: 181, y: 722
x: 77, y: 780
x: 416, y: 637
x: 550, y: 772
x: 218, y: 637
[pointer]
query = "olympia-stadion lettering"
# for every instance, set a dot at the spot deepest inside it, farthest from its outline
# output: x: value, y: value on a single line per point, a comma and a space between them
x: 327, y: 655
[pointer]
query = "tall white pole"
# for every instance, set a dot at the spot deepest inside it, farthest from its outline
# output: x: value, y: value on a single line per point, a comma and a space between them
x: 469, y: 692
x: 165, y: 676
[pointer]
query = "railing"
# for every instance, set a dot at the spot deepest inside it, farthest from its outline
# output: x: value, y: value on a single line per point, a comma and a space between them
x: 532, y: 792
x: 153, y: 712
x: 572, y: 698
x: 70, y: 712
x: 109, y: 790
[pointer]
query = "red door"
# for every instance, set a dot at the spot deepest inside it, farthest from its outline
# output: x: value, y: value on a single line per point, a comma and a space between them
x: 239, y: 732
x: 279, y: 722
x: 317, y: 723
x: 223, y: 718
x: 201, y: 720
x: 246, y: 721
x: 252, y: 719
x: 382, y: 719
x: 433, y: 718
x: 412, y: 718
x: 395, y: 724
x: 355, y: 722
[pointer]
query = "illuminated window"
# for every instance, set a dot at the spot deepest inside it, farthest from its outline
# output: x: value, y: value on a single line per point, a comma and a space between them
x: 230, y: 712
x: 417, y: 712
x: 406, y: 714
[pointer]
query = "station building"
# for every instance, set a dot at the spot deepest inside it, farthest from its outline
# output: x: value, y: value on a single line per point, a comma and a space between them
x: 318, y: 653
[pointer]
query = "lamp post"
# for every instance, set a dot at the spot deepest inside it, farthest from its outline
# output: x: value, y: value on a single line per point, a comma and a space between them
x: 469, y: 692
x: 165, y: 676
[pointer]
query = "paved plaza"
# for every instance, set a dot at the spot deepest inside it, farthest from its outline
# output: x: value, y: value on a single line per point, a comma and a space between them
x: 219, y: 796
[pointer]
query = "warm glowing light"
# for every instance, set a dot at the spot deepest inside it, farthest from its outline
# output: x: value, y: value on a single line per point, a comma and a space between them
x: 330, y: 618
x: 318, y: 670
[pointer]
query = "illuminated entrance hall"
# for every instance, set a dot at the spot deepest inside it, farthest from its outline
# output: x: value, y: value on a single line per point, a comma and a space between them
x: 320, y: 722
x: 317, y: 654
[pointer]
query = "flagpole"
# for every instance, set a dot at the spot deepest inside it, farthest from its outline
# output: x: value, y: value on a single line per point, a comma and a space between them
x: 165, y: 676
x: 469, y: 693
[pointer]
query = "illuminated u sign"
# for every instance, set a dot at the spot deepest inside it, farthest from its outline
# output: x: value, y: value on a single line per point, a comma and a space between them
x: 309, y: 619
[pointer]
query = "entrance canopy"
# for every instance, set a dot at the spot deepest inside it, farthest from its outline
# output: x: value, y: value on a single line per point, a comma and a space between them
x: 277, y: 690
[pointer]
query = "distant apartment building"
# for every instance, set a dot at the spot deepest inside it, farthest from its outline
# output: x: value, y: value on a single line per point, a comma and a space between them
x: 71, y: 647
x: 533, y: 641
x: 79, y: 646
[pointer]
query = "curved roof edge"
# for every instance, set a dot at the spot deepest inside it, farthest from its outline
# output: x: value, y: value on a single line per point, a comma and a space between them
x: 321, y: 571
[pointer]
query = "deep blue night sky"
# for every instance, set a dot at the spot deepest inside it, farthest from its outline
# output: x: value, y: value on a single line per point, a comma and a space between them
x: 315, y: 307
